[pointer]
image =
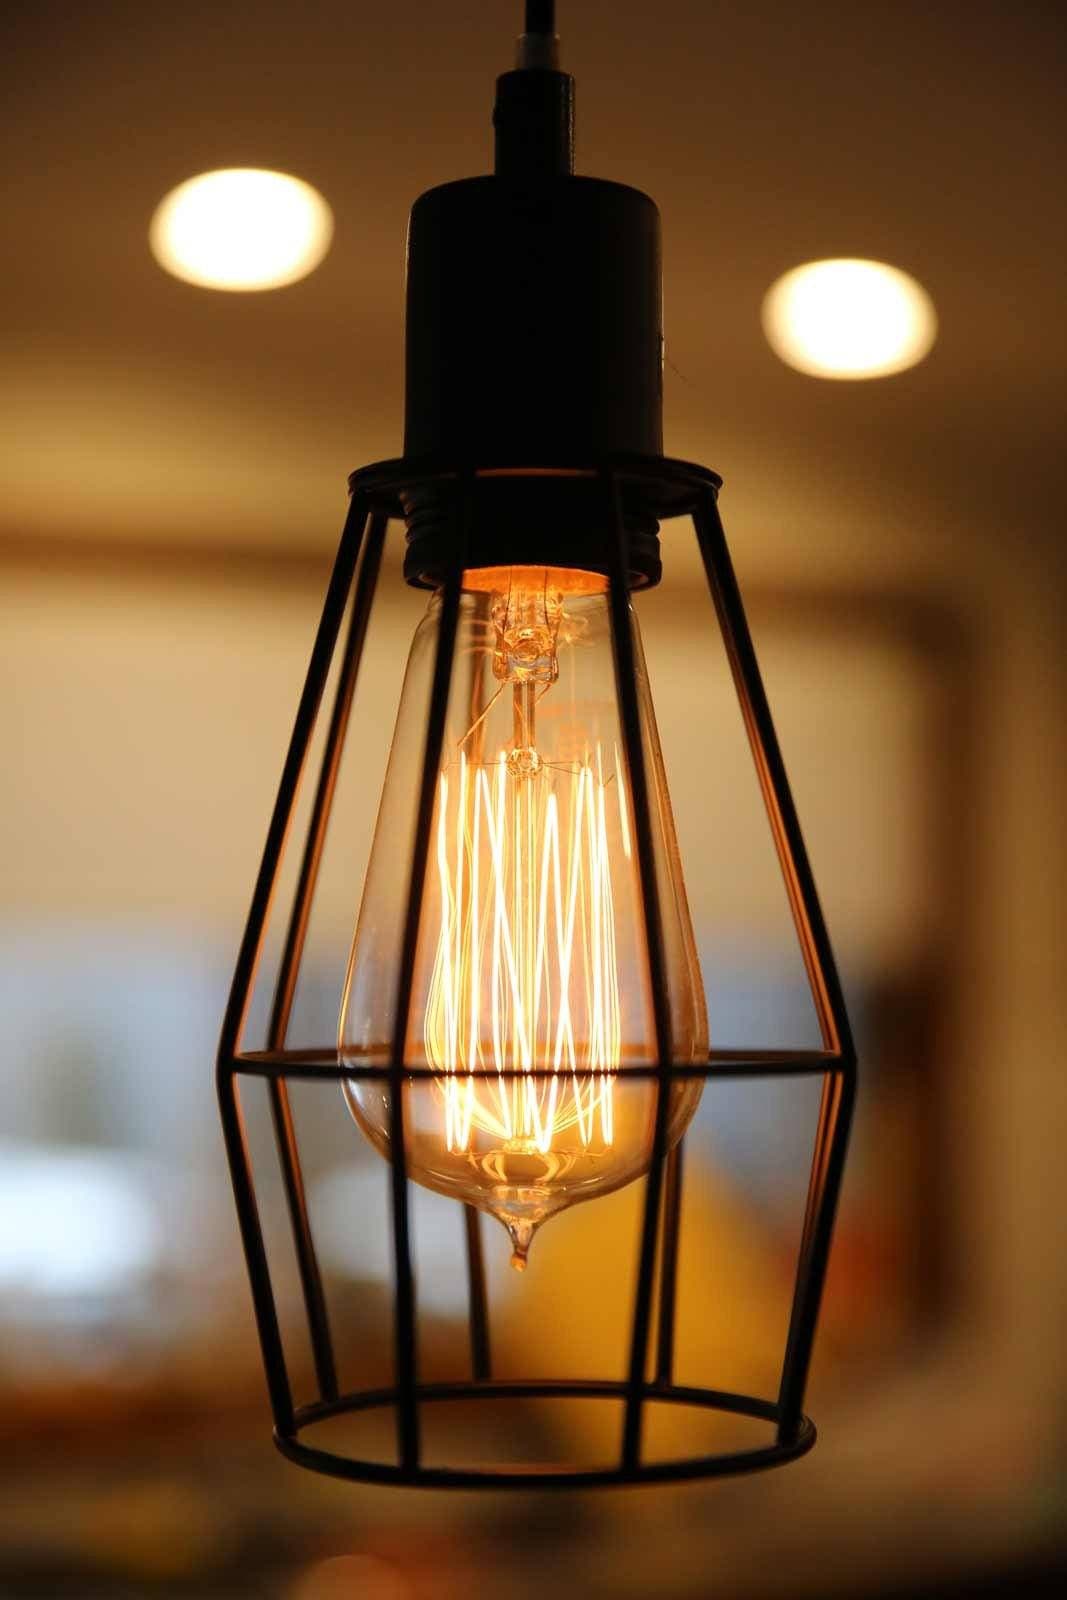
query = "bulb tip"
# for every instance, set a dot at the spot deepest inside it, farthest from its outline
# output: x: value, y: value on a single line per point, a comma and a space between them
x: 521, y: 1234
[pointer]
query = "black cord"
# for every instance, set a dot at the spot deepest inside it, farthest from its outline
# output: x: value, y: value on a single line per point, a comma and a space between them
x: 541, y: 16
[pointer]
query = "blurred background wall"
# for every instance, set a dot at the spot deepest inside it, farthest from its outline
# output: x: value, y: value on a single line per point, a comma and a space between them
x: 173, y: 465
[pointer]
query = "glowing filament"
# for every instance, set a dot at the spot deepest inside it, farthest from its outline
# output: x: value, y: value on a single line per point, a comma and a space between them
x: 522, y: 1018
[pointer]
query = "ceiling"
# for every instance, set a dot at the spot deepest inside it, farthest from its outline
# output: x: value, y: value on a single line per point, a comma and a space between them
x: 136, y: 407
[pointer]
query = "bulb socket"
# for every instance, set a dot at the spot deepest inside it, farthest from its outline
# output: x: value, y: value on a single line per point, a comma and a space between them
x: 533, y: 117
x: 534, y: 322
x: 534, y: 341
x: 526, y: 520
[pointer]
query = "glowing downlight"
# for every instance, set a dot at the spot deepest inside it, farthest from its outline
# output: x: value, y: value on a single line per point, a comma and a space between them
x: 241, y: 228
x: 849, y: 319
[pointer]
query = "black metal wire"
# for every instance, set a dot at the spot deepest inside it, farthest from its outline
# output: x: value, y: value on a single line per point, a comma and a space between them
x: 656, y: 486
x: 839, y: 1090
x: 296, y: 934
x: 668, y: 1272
x: 323, y: 1064
x: 729, y: 1463
x: 248, y: 960
x: 633, y: 749
x: 774, y: 782
x: 406, y: 1354
x: 478, y: 1300
x: 831, y: 1145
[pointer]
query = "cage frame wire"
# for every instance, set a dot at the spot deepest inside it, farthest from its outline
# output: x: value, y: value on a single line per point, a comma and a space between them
x: 662, y: 487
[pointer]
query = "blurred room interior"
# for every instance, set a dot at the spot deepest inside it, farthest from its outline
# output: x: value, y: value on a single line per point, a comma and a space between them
x: 173, y: 472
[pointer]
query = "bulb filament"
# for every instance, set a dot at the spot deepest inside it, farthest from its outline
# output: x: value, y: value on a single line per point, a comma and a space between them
x: 525, y: 976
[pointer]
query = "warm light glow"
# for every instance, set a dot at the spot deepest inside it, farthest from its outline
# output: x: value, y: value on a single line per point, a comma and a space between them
x: 849, y: 319
x: 241, y: 228
x: 527, y: 941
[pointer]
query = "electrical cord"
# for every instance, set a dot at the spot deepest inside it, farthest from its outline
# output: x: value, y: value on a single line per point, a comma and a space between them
x: 541, y: 16
x: 538, y: 45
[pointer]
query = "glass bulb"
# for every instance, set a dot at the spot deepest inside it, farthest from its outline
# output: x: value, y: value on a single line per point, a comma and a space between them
x: 531, y: 996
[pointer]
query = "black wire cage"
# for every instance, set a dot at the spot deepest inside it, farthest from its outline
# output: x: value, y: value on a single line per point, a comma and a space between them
x: 534, y: 367
x: 378, y: 495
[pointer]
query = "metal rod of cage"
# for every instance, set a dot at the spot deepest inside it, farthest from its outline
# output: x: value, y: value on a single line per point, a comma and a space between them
x: 292, y: 953
x: 321, y: 1062
x: 248, y: 960
x: 263, y: 1305
x: 477, y: 1295
x: 773, y: 779
x: 405, y: 1330
x: 835, y: 1119
x: 668, y: 1270
x: 478, y: 1302
x: 839, y: 1088
x: 633, y: 748
x: 671, y: 1470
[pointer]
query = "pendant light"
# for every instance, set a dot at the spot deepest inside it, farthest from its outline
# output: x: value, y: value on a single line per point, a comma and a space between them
x: 523, y: 1026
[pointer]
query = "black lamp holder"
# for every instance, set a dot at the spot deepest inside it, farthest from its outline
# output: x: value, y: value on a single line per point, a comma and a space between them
x: 534, y: 334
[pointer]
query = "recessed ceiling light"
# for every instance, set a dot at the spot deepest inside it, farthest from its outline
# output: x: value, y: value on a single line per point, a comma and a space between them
x: 241, y: 228
x: 849, y: 319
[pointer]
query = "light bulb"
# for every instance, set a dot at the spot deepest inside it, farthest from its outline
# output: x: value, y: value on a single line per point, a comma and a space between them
x: 531, y: 997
